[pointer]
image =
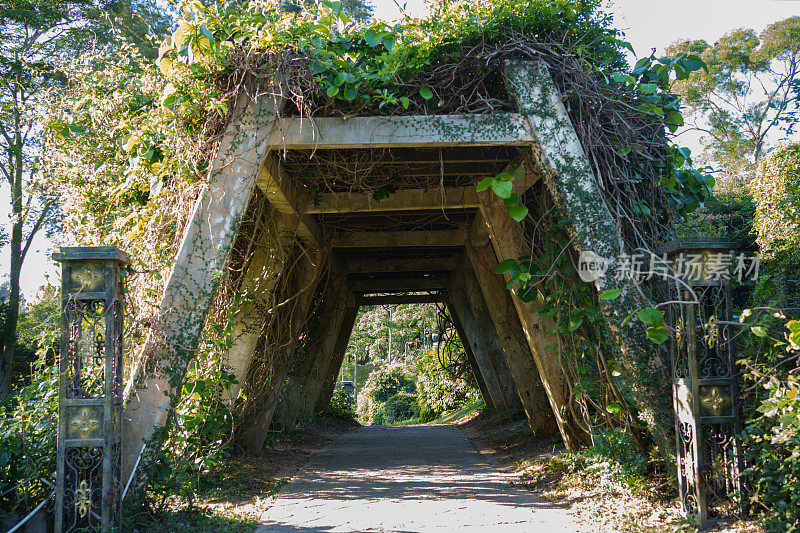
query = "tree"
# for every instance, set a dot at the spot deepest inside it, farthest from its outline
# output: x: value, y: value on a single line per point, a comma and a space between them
x: 36, y: 36
x: 358, y: 10
x: 750, y: 89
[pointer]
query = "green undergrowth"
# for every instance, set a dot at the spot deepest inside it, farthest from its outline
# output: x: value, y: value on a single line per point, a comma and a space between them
x: 464, y: 413
x: 196, y: 519
x: 236, y: 491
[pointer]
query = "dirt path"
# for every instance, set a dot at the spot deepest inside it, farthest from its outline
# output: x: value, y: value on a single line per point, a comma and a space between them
x: 407, y: 478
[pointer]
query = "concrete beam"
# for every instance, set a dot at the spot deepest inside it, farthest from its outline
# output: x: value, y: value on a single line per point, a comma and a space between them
x: 365, y: 265
x: 337, y: 302
x: 335, y: 364
x: 490, y: 337
x: 401, y: 299
x: 254, y: 431
x: 473, y: 363
x: 402, y: 200
x: 499, y: 129
x: 394, y: 285
x: 280, y: 191
x: 570, y: 178
x: 540, y: 331
x: 479, y: 230
x: 263, y: 271
x: 396, y: 239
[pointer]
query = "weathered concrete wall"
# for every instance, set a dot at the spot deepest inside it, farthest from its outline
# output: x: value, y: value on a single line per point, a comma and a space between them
x: 569, y: 177
x: 158, y: 376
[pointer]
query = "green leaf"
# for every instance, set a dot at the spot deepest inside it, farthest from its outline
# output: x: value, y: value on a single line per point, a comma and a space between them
x: 613, y: 408
x: 502, y: 188
x: 620, y: 77
x: 426, y: 93
x: 332, y: 91
x: 648, y: 88
x: 350, y: 94
x: 484, y: 184
x: 651, y: 316
x: 372, y: 38
x: 389, y: 43
x: 506, y: 266
x: 624, y: 150
x: 610, y: 294
x: 658, y: 335
x: 207, y: 34
x: 506, y: 176
x: 759, y: 331
x: 518, y: 213
x: 513, y: 200
x: 317, y: 67
x: 693, y: 63
x: 575, y: 323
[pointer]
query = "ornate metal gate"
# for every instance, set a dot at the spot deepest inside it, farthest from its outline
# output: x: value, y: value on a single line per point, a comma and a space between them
x: 90, y: 389
x: 705, y: 390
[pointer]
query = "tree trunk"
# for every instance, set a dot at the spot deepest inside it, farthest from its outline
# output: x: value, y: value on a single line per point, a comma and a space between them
x: 9, y: 328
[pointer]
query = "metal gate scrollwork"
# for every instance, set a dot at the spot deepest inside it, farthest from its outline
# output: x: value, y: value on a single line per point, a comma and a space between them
x: 704, y: 378
x: 90, y: 389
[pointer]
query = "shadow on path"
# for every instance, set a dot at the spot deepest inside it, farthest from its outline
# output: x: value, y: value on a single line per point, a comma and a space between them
x: 407, y: 479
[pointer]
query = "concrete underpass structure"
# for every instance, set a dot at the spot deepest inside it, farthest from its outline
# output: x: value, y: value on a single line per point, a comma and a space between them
x: 436, y: 242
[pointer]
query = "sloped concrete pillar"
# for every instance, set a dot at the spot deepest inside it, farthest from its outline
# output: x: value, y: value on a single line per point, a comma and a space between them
x: 495, y: 345
x: 335, y: 361
x: 335, y: 307
x: 473, y: 364
x: 254, y: 431
x: 308, y: 371
x: 482, y: 263
x: 157, y: 378
x: 483, y: 345
x: 540, y: 331
x: 264, y: 269
x: 568, y: 175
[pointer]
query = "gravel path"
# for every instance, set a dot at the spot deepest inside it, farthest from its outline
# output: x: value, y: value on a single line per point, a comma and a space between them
x: 407, y: 478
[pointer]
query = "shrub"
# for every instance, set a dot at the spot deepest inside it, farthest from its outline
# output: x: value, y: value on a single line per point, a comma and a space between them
x: 401, y: 407
x: 438, y: 391
x: 342, y: 406
x: 28, y: 430
x: 383, y: 384
x: 773, y: 445
x: 776, y: 192
x: 772, y: 439
x: 618, y: 446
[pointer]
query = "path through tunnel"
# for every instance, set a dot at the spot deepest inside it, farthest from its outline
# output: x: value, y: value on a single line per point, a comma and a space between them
x: 404, y: 250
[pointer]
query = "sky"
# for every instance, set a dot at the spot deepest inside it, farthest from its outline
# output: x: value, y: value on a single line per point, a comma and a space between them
x: 647, y: 24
